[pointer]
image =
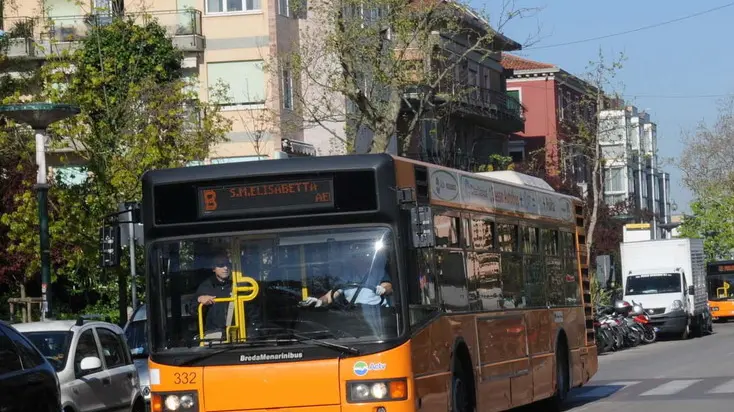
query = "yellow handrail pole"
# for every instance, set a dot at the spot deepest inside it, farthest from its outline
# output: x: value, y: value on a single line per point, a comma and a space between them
x: 304, y: 285
x: 201, y: 324
x: 249, y: 292
x: 236, y: 273
x: 201, y: 316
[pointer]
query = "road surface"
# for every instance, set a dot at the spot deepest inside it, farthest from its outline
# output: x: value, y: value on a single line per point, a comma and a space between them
x: 667, y: 376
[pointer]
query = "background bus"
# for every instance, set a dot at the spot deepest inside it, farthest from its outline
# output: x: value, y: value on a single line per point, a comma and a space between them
x: 490, y: 305
x: 720, y: 279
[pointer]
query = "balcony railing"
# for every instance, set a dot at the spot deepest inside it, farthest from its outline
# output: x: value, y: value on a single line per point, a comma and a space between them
x: 19, y: 36
x: 176, y: 22
x: 487, y: 99
x: 184, y: 26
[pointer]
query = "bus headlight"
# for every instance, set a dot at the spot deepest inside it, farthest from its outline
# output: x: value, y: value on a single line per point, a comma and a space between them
x: 374, y: 391
x: 173, y: 402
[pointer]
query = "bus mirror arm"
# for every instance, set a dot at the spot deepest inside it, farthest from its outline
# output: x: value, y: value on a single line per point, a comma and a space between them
x: 421, y: 227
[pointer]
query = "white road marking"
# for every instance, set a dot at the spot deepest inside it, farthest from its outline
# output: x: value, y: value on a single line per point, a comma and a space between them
x: 727, y: 387
x: 671, y: 387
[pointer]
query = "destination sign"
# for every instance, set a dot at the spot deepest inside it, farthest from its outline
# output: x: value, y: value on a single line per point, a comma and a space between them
x: 263, y: 198
x: 725, y: 268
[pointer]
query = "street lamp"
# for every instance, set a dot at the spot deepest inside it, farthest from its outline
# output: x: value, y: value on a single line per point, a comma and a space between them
x: 39, y: 116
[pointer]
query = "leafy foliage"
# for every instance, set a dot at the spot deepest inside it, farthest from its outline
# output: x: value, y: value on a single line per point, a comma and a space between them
x: 496, y: 162
x: 137, y: 113
x: 16, y: 171
x: 706, y: 160
x: 709, y: 173
x: 712, y: 220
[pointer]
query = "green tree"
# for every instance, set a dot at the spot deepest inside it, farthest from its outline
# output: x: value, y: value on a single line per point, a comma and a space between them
x: 708, y: 173
x: 137, y: 113
x: 712, y: 220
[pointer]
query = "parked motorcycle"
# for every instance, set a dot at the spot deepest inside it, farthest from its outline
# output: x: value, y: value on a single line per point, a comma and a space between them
x: 622, y: 325
x: 640, y: 316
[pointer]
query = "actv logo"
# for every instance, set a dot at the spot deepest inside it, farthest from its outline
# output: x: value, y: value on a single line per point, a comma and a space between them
x: 361, y: 368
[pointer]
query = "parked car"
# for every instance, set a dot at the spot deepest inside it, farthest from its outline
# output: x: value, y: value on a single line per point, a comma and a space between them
x: 28, y: 381
x: 92, y: 361
x: 136, y: 333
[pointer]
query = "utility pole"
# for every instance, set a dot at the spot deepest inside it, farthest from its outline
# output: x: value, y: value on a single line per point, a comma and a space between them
x: 118, y: 228
x: 130, y: 218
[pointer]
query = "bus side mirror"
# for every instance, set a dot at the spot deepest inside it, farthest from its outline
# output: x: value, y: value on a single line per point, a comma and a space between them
x: 421, y: 227
x: 691, y: 290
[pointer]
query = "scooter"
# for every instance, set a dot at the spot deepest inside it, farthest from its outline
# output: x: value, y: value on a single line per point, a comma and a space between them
x: 640, y: 316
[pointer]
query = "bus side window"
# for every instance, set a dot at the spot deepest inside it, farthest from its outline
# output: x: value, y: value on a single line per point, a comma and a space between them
x: 447, y: 230
x: 535, y: 279
x: 571, y: 280
x: 554, y: 267
x: 450, y: 267
x: 511, y: 267
x: 422, y: 287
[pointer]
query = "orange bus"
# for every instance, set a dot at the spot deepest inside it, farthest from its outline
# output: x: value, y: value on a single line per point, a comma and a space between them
x: 719, y: 279
x: 363, y: 283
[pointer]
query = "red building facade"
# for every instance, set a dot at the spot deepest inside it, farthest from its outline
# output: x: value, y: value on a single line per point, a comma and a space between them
x: 545, y: 91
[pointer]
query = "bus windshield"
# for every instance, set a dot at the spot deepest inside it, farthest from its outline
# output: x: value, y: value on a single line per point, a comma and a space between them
x: 326, y: 284
x: 653, y: 284
x: 720, y: 286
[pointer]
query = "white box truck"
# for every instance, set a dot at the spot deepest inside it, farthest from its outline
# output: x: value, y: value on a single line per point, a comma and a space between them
x: 668, y: 277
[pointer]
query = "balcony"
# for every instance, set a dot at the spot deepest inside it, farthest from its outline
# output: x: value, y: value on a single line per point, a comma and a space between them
x: 18, y: 40
x: 184, y: 27
x: 40, y: 38
x: 493, y: 109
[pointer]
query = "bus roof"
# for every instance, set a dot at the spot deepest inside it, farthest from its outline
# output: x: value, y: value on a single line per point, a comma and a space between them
x: 263, y: 168
x: 506, y: 191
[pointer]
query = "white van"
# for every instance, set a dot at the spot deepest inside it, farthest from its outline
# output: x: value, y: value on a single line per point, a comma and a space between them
x: 667, y: 277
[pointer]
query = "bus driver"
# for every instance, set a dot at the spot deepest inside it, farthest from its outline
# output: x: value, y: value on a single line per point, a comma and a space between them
x: 369, y: 291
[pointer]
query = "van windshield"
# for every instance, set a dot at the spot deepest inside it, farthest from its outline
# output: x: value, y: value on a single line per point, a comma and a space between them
x: 654, y: 283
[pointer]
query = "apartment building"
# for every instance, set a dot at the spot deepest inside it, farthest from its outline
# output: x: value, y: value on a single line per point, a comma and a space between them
x: 547, y: 92
x: 484, y: 115
x: 231, y: 40
x: 222, y: 40
x: 632, y: 170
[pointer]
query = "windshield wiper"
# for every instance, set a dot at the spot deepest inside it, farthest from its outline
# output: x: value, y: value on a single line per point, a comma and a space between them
x: 230, y: 347
x: 303, y: 338
x: 289, y: 338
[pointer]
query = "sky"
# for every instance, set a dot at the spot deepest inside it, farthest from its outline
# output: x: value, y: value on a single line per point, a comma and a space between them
x: 678, y: 71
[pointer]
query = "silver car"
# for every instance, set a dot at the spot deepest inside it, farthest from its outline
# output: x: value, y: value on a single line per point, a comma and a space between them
x: 92, y: 361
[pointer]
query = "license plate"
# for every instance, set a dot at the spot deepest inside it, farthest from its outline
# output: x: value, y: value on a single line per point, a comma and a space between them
x: 656, y: 329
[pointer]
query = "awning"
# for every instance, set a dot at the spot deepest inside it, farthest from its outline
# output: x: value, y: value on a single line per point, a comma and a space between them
x: 297, y: 148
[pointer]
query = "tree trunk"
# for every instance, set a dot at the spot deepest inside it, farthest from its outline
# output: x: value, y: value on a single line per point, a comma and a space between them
x: 596, y: 186
x: 595, y: 199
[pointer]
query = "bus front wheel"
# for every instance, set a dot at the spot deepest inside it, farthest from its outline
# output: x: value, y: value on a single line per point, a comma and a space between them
x: 563, y: 384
